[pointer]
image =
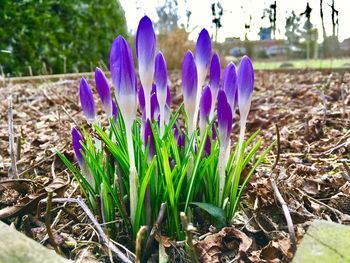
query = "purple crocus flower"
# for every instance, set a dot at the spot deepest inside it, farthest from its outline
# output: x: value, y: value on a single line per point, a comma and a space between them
x: 167, y: 105
x: 189, y: 89
x: 149, y: 140
x: 103, y: 91
x: 114, y: 111
x: 225, y: 128
x: 124, y: 78
x: 207, y: 146
x: 245, y: 83
x: 204, y: 109
x: 87, y: 101
x: 145, y: 52
x: 214, y: 81
x: 229, y: 85
x: 77, y: 139
x: 224, y: 119
x: 203, y: 54
x: 160, y: 75
x: 154, y: 107
x: 154, y: 89
x: 141, y: 96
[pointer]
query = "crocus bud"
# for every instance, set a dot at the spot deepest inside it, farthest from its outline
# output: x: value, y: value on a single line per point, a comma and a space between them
x: 215, y: 75
x: 229, y: 85
x: 154, y: 107
x: 145, y: 52
x: 103, y: 91
x: 141, y: 96
x: 214, y: 81
x: 203, y: 54
x: 114, y: 111
x: 224, y: 119
x: 124, y: 78
x: 189, y: 89
x: 207, y: 146
x: 204, y: 109
x: 149, y: 140
x: 160, y: 76
x: 167, y: 106
x: 245, y: 81
x: 87, y: 101
x: 78, y: 148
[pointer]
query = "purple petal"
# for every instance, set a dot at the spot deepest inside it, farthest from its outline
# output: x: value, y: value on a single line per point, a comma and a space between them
x: 154, y: 89
x: 215, y: 75
x: 205, y: 104
x: 176, y: 131
x: 77, y: 139
x: 114, y: 111
x: 171, y: 162
x: 189, y: 79
x: 141, y: 96
x: 203, y: 50
x: 145, y: 50
x: 87, y: 101
x: 213, y: 132
x: 149, y: 139
x: 103, y: 91
x: 207, y: 147
x: 229, y: 84
x: 160, y: 73
x: 224, y: 119
x: 124, y: 78
x: 168, y: 97
x: 245, y: 82
x: 154, y: 107
x: 181, y: 140
x: 167, y: 106
x: 122, y: 68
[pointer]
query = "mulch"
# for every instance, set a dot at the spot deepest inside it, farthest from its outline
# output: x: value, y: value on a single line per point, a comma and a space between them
x: 311, y: 109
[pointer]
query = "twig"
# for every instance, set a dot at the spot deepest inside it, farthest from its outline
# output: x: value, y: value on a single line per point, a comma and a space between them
x: 188, y: 227
x: 155, y: 228
x: 48, y: 224
x: 286, y: 214
x: 122, y: 257
x: 139, y: 236
x: 280, y: 198
x: 334, y: 210
x: 13, y: 172
x: 69, y: 116
x: 18, y: 147
x: 278, y: 148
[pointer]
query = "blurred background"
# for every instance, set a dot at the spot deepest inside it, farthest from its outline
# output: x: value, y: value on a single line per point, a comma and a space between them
x: 39, y: 37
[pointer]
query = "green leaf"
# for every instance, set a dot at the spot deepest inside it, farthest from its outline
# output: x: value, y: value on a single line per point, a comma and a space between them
x: 217, y: 212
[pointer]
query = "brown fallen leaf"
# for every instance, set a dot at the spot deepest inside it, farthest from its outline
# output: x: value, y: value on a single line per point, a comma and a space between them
x: 228, y: 239
x: 28, y: 203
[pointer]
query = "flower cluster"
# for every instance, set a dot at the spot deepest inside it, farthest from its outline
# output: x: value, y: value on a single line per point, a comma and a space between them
x: 154, y: 158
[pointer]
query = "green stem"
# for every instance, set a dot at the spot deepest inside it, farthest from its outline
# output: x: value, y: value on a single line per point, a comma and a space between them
x: 221, y: 174
x: 133, y: 178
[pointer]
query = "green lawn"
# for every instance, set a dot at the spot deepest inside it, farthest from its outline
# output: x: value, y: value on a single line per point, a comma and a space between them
x: 303, y: 63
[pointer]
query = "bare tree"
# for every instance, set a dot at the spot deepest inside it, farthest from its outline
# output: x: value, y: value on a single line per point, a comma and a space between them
x: 217, y: 12
x: 324, y: 50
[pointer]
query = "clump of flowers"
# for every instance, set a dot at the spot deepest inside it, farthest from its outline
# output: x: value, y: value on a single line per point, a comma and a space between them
x: 138, y: 162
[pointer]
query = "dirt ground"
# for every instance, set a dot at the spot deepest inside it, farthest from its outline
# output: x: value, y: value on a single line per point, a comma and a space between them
x: 311, y: 109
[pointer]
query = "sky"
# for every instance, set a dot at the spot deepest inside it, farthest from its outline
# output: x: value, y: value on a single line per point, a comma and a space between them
x: 237, y: 13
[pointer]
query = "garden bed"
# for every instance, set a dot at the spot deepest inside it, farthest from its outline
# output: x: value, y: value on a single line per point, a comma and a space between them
x: 311, y: 109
